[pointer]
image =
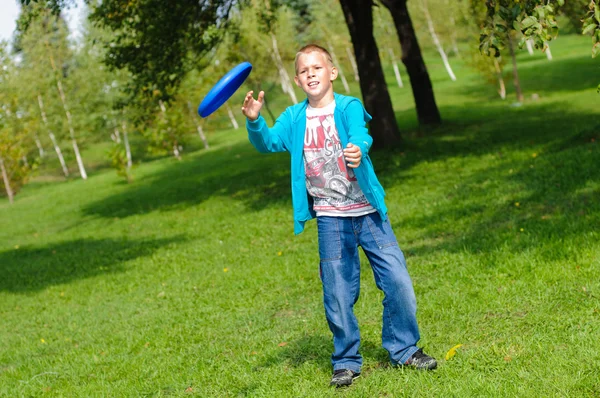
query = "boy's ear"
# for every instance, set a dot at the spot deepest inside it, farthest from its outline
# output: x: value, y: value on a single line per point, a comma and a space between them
x: 334, y: 73
x: 297, y: 81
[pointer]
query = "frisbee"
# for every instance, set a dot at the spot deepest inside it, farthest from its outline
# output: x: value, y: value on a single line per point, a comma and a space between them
x: 224, y: 89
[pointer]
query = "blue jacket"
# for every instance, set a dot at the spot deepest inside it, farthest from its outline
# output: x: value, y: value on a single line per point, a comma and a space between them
x: 287, y: 134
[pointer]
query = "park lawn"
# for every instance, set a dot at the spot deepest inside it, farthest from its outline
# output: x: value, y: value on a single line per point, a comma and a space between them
x: 189, y: 281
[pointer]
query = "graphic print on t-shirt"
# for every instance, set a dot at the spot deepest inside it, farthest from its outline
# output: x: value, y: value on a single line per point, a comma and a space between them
x: 329, y: 181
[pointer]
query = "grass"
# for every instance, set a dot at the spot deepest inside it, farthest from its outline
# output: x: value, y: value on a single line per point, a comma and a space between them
x: 189, y: 281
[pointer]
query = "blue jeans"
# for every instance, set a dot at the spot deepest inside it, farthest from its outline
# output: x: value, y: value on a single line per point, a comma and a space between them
x: 339, y: 239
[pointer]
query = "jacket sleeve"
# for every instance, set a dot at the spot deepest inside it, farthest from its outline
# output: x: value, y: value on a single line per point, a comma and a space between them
x: 274, y: 139
x: 357, y: 119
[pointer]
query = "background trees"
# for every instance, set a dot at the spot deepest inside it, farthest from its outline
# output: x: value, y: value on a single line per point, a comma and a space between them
x: 134, y: 79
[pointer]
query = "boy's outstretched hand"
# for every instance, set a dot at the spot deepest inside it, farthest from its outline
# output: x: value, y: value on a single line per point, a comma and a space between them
x: 251, y: 107
x: 353, y: 155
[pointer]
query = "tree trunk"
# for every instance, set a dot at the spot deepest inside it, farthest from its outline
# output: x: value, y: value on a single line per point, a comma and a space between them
x: 38, y: 143
x: 53, y: 138
x: 395, y: 66
x: 436, y: 41
x: 427, y: 110
x: 353, y: 63
x: 529, y: 45
x: 234, y: 122
x: 9, y: 191
x: 66, y: 108
x: 198, y: 126
x: 516, y: 81
x: 547, y: 51
x: 175, y: 148
x: 283, y: 74
x: 72, y: 131
x: 339, y: 68
x: 359, y: 18
x: 502, y: 86
x: 127, y: 147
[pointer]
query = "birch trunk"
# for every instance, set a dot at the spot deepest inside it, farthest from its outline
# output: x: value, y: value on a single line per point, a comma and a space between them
x: 396, y: 69
x: 38, y: 143
x: 9, y: 191
x: 127, y: 147
x: 516, y: 81
x: 529, y: 45
x: 502, y: 86
x: 52, y: 137
x: 71, y: 131
x: 69, y: 119
x: 339, y: 68
x: 436, y: 41
x: 234, y: 122
x: 285, y: 77
x: 353, y: 63
x: 176, y: 152
x: 547, y: 51
x: 198, y: 126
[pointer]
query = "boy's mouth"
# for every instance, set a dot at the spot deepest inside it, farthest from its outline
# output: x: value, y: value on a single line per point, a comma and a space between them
x: 312, y: 84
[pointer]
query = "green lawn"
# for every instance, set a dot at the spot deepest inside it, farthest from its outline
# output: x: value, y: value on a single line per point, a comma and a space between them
x: 190, y: 282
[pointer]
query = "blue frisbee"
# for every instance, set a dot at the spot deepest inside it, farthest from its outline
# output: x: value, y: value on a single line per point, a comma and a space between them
x: 224, y: 89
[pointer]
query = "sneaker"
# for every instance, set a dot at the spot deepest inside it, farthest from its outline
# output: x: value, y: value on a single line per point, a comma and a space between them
x: 421, y: 361
x: 343, y: 377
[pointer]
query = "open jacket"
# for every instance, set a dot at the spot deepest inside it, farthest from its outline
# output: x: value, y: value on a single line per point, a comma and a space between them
x: 287, y: 134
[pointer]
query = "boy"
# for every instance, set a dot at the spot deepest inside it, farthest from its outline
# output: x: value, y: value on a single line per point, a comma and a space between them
x: 333, y: 179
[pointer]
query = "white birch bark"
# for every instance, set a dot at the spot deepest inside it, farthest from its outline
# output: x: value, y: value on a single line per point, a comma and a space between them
x: 127, y: 147
x: 198, y: 126
x: 163, y: 109
x: 547, y: 51
x: 529, y: 45
x: 285, y: 77
x: 436, y: 41
x: 234, y: 122
x: 38, y: 143
x: 353, y: 63
x: 396, y: 69
x: 9, y: 191
x: 53, y: 138
x: 72, y: 131
x: 339, y: 68
x: 501, y: 85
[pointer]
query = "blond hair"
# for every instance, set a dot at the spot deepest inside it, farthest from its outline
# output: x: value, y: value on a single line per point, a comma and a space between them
x: 309, y: 48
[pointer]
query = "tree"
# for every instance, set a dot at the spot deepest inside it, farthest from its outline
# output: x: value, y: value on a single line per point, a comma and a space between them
x: 14, y: 137
x: 427, y: 110
x: 359, y: 18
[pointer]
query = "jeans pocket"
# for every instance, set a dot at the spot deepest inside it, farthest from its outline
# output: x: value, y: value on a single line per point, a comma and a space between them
x: 330, y: 246
x: 382, y: 232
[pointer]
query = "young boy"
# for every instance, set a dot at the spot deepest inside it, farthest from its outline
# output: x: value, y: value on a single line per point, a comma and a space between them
x: 333, y: 179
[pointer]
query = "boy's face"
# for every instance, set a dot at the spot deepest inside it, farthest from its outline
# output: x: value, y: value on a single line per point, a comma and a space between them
x: 314, y: 75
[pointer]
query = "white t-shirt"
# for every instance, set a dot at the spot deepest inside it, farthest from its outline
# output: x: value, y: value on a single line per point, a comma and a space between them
x: 329, y: 181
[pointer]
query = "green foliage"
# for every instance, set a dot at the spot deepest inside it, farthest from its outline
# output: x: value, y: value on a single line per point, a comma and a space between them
x: 118, y: 161
x: 534, y: 19
x: 591, y: 26
x: 153, y: 39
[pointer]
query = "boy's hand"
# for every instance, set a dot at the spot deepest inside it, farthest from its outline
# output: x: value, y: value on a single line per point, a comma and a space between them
x: 353, y: 156
x: 251, y: 107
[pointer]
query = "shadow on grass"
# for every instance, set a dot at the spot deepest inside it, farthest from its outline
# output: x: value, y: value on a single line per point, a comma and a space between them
x: 34, y: 268
x: 550, y: 152
x: 318, y: 349
x: 237, y: 172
